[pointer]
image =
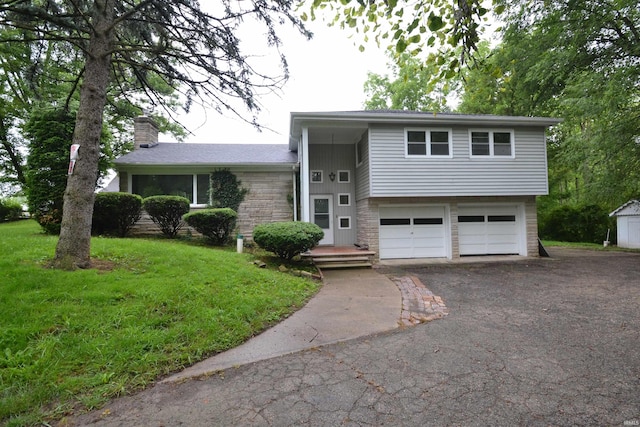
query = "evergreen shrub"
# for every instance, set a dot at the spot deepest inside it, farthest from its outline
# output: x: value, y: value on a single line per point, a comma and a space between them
x: 287, y: 239
x: 115, y: 213
x: 167, y: 212
x: 216, y: 225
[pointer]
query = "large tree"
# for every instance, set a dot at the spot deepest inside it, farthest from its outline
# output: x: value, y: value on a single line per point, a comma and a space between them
x: 578, y: 60
x: 176, y: 43
x: 411, y: 86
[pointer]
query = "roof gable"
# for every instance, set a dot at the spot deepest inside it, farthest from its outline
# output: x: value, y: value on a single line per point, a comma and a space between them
x: 631, y: 208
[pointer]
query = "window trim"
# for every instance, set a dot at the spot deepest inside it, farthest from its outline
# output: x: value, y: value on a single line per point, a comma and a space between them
x: 348, y: 196
x: 348, y: 172
x: 491, y: 133
x: 340, y: 218
x: 194, y: 184
x: 428, y: 143
x: 311, y: 172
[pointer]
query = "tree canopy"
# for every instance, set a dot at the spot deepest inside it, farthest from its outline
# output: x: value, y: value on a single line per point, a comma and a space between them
x: 151, y: 50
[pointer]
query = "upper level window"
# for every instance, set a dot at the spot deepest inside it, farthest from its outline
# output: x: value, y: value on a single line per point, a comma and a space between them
x: 492, y: 143
x: 428, y: 142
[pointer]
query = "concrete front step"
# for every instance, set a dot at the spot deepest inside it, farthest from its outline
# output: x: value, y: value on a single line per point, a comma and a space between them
x: 340, y: 259
x: 330, y: 265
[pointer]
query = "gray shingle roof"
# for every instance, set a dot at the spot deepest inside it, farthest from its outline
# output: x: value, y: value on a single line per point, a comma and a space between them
x: 170, y: 153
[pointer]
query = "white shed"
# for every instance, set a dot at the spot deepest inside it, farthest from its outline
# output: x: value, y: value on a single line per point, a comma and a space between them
x: 628, y: 223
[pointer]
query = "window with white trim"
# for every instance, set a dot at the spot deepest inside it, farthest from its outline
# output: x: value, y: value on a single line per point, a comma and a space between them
x: 316, y: 176
x: 194, y: 187
x: 344, y: 199
x: 344, y: 222
x: 344, y: 176
x: 428, y: 142
x: 489, y: 143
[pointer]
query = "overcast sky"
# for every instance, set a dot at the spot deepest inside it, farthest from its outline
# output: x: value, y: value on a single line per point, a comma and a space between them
x: 327, y: 73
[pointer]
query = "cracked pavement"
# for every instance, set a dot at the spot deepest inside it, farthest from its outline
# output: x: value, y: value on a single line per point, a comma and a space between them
x: 533, y: 342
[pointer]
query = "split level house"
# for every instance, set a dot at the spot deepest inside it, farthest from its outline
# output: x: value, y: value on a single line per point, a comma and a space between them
x: 404, y: 184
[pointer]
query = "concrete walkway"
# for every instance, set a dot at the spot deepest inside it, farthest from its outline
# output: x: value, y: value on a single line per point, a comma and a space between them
x: 351, y: 303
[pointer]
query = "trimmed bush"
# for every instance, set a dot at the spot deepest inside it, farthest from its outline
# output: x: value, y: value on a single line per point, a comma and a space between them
x: 167, y: 212
x: 115, y: 213
x: 287, y: 239
x: 216, y: 225
x: 10, y: 210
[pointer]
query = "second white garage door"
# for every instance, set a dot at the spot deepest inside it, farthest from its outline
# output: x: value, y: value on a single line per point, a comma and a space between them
x: 412, y: 232
x: 489, y: 230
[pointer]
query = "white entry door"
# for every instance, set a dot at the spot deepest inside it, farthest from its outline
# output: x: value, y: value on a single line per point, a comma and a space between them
x: 322, y: 216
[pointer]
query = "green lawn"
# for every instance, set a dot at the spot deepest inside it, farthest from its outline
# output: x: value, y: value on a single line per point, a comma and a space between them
x: 593, y: 246
x: 71, y: 340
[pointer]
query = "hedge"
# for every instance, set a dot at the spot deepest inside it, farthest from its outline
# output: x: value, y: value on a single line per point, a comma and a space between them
x: 115, y: 213
x: 287, y: 239
x: 167, y: 212
x: 216, y: 225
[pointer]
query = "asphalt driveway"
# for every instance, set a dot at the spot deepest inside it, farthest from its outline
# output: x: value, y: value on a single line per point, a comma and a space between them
x: 533, y: 342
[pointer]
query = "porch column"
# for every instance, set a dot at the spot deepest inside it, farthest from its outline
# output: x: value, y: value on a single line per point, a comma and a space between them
x: 304, y: 175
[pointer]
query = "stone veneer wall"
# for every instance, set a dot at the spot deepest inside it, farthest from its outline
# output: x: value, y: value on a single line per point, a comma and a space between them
x: 368, y: 218
x: 269, y: 199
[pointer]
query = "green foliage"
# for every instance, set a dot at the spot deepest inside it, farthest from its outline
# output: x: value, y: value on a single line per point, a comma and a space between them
x: 50, y: 132
x: 448, y: 30
x: 576, y: 223
x: 563, y: 59
x: 115, y: 213
x: 287, y: 239
x: 71, y: 341
x: 167, y: 212
x: 225, y: 190
x: 412, y: 87
x: 216, y: 225
x: 10, y: 210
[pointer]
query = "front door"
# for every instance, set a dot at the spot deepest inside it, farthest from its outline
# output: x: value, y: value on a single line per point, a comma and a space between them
x: 322, y: 215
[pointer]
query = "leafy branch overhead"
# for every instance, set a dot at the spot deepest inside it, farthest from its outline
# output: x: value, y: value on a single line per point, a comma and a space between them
x: 176, y: 45
x: 432, y: 27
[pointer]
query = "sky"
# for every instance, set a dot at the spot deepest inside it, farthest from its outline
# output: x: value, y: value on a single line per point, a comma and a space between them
x: 327, y: 73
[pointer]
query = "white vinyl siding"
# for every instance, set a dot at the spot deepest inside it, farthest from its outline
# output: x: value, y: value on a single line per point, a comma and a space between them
x: 344, y: 159
x: 395, y: 175
x: 362, y: 170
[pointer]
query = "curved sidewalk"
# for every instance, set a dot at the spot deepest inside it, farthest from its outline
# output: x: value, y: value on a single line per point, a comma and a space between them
x: 351, y: 303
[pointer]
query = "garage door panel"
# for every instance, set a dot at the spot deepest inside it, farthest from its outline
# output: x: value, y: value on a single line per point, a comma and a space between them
x: 421, y: 235
x: 488, y: 230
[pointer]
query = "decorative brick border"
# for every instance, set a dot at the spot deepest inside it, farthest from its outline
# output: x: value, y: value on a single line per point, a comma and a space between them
x: 419, y: 304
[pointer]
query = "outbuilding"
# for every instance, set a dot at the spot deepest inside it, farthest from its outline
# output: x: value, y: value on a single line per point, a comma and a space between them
x: 628, y: 223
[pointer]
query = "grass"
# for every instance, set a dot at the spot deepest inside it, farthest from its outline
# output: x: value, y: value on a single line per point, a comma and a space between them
x: 69, y: 341
x: 592, y: 246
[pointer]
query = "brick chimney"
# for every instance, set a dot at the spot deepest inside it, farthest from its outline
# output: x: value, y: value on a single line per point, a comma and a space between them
x: 145, y: 132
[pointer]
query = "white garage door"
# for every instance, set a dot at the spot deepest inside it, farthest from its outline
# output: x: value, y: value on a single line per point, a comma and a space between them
x: 412, y: 232
x: 489, y: 230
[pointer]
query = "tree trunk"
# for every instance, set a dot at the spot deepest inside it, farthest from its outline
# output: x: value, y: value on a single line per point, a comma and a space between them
x: 74, y: 245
